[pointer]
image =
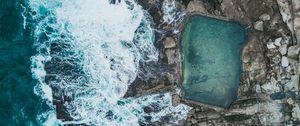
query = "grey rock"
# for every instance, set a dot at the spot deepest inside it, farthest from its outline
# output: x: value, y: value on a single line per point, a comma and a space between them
x: 284, y: 61
x: 277, y: 41
x: 264, y: 17
x: 283, y: 49
x: 259, y: 25
x: 270, y: 45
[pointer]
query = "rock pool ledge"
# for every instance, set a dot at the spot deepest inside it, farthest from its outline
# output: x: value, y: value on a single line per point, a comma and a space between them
x: 211, y: 67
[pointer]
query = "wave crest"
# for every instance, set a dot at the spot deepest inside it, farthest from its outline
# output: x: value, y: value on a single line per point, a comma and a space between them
x: 88, y: 52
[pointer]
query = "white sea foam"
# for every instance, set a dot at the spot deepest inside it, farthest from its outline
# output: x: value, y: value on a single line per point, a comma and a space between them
x: 37, y: 69
x: 105, y: 42
x: 48, y: 118
x: 171, y: 15
x: 23, y: 16
x: 160, y: 105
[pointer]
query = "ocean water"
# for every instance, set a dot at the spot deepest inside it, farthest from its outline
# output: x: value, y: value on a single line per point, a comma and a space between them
x: 71, y: 62
x: 18, y: 103
x: 212, y: 60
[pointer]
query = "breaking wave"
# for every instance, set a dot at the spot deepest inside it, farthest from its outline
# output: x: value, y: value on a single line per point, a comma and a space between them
x: 171, y: 13
x: 88, y: 53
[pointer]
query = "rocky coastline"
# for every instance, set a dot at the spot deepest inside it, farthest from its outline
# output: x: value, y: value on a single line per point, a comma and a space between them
x: 270, y: 61
x: 268, y: 92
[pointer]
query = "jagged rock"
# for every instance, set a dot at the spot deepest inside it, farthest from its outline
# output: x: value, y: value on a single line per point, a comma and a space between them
x: 257, y: 88
x: 284, y: 61
x: 277, y: 41
x: 264, y: 17
x: 169, y: 42
x: 285, y: 12
x: 259, y: 25
x: 286, y: 40
x: 270, y: 45
x: 290, y: 101
x: 271, y: 87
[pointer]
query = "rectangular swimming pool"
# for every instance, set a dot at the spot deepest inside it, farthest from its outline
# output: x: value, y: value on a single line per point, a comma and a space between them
x: 211, y: 49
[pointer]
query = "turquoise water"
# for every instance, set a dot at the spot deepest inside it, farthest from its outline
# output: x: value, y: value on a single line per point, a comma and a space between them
x: 212, y: 64
x: 18, y: 103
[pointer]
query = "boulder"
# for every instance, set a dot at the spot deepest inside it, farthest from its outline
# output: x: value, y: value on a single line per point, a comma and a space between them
x: 264, y: 17
x: 283, y: 49
x: 290, y: 101
x: 259, y: 25
x: 169, y: 43
x: 277, y: 41
x: 270, y: 45
x: 284, y: 61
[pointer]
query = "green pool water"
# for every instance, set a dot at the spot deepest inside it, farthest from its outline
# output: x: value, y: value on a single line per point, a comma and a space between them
x: 211, y: 49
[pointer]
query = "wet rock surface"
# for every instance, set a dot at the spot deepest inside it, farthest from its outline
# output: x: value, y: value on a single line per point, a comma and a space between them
x: 268, y: 92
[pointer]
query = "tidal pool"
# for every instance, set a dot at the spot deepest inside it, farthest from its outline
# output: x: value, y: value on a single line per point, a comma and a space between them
x: 211, y: 49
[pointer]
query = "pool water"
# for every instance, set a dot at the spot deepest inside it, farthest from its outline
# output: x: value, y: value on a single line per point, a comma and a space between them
x: 211, y: 49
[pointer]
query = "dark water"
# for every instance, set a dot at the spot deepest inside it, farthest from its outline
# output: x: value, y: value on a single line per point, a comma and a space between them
x: 18, y: 103
x: 212, y: 64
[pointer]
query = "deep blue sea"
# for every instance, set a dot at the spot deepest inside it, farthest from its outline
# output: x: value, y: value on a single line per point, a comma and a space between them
x: 18, y: 103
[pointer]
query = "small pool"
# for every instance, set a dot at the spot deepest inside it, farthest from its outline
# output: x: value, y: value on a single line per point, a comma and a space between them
x: 211, y: 49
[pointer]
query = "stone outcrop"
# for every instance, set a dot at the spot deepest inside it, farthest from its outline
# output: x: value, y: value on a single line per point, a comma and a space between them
x: 196, y: 6
x: 169, y: 43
